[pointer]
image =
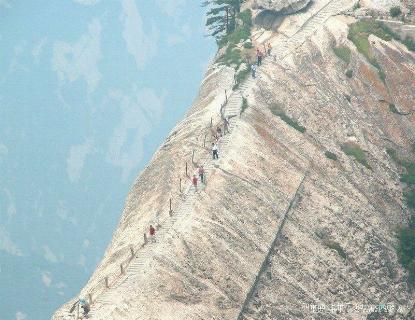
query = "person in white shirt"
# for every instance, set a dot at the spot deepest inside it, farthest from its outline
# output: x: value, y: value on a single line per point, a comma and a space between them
x: 253, y: 70
x: 215, y: 151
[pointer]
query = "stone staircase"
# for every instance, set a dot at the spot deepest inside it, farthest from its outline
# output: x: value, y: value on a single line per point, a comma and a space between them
x: 144, y: 256
x: 332, y: 8
x: 108, y: 299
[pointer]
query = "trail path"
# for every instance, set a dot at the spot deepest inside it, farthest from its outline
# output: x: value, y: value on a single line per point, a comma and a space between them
x: 107, y: 302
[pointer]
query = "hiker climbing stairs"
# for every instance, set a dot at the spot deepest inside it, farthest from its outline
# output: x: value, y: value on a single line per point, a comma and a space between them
x: 167, y: 229
x: 232, y: 111
x: 164, y: 233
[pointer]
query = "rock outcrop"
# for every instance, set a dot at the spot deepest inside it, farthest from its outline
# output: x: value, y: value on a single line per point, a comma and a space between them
x: 281, y: 6
x: 270, y: 14
x: 269, y: 20
x: 283, y: 229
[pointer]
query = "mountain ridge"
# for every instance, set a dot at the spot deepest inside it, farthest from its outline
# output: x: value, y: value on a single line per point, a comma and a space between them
x: 228, y: 233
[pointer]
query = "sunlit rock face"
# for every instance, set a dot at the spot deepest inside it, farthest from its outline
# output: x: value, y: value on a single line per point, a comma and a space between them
x: 280, y: 230
x: 281, y: 6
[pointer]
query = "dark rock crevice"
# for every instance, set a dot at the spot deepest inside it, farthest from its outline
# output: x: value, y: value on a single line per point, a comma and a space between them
x: 272, y: 13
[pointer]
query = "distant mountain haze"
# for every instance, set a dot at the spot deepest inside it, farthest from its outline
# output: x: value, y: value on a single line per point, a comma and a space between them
x: 88, y: 91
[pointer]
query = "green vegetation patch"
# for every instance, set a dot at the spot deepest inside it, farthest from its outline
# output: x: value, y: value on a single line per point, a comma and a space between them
x: 349, y: 73
x: 277, y: 111
x: 240, y: 77
x: 360, y: 31
x: 231, y: 57
x: 410, y: 199
x: 245, y: 105
x: 395, y: 11
x: 343, y: 53
x: 248, y: 45
x: 381, y: 74
x: 409, y: 43
x: 337, y: 247
x: 359, y: 34
x: 393, y: 154
x: 246, y: 17
x: 406, y: 251
x: 356, y: 152
x: 408, y: 176
x: 393, y: 109
x: 406, y: 235
x: 348, y: 97
x: 239, y: 34
x: 330, y: 155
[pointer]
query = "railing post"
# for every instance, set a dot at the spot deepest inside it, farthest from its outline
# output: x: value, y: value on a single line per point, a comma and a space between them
x: 226, y: 97
x: 180, y: 185
x: 122, y: 269
x: 204, y: 141
x: 132, y: 252
x: 90, y: 298
x: 170, y: 210
x: 106, y: 283
x: 186, y: 170
x: 211, y: 122
x: 193, y: 155
x: 145, y: 238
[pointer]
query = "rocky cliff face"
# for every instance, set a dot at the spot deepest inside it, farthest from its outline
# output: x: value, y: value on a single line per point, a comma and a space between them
x: 280, y: 231
x: 279, y: 6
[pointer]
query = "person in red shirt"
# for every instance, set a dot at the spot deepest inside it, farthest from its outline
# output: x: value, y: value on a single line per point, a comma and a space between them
x: 219, y: 131
x: 201, y: 174
x: 194, y: 181
x: 259, y: 56
x: 152, y: 233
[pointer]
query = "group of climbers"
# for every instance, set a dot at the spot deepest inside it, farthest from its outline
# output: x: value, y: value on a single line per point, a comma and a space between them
x: 259, y: 57
x: 218, y: 133
x: 201, y: 172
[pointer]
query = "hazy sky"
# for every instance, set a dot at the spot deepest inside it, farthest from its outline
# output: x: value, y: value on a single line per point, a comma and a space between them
x: 88, y: 91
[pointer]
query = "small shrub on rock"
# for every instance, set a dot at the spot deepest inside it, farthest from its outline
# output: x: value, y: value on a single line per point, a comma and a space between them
x: 337, y: 247
x: 406, y: 235
x: 356, y: 152
x: 276, y: 110
x: 409, y: 43
x: 393, y: 109
x: 395, y: 11
x: 240, y: 76
x: 343, y: 53
x: 248, y: 45
x: 330, y: 155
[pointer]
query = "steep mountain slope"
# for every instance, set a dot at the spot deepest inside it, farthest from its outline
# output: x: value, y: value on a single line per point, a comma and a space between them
x: 280, y: 231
